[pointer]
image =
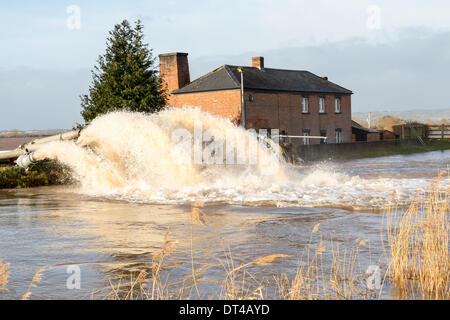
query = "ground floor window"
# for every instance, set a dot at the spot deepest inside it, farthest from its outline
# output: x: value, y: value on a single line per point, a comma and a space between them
x: 266, y: 132
x: 338, y: 133
x: 306, y: 133
x: 323, y: 133
x: 283, y: 138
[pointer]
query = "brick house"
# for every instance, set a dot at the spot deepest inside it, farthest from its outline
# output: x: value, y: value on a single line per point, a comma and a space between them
x: 297, y: 103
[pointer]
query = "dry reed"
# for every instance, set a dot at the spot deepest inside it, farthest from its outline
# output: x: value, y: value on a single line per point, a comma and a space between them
x: 33, y: 284
x: 418, y: 242
x: 343, y: 278
x: 417, y: 252
x: 4, y: 274
x: 240, y: 284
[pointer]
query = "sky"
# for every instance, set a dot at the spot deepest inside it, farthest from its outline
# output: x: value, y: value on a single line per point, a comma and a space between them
x: 394, y: 55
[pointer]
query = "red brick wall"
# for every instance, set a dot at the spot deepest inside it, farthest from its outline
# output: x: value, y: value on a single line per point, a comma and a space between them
x: 387, y: 135
x: 174, y: 70
x: 278, y: 110
x: 283, y: 111
x: 373, y: 136
x: 226, y: 103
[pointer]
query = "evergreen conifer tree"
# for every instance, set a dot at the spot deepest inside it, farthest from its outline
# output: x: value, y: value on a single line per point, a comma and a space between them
x: 125, y: 77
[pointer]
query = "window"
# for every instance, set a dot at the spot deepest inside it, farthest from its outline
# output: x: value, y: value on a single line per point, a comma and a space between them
x: 323, y: 133
x: 338, y: 133
x: 267, y: 132
x: 283, y: 139
x: 321, y: 105
x: 305, y: 107
x: 337, y: 105
x: 306, y: 133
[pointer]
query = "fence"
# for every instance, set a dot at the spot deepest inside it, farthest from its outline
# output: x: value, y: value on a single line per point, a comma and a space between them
x: 439, y: 132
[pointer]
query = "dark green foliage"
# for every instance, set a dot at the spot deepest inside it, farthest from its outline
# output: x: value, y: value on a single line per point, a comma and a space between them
x: 43, y: 173
x: 125, y: 77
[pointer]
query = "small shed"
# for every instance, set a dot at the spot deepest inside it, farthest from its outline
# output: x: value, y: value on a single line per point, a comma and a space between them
x: 410, y: 130
x: 360, y: 133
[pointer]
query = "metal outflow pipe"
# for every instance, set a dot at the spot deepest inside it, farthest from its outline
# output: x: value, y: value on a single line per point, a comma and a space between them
x: 24, y: 153
x: 25, y: 160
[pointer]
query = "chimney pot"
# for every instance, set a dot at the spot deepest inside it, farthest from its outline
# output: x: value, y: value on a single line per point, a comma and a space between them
x: 258, y: 62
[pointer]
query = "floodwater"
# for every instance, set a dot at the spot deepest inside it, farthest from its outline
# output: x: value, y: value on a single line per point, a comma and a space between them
x: 108, y: 236
x: 12, y: 143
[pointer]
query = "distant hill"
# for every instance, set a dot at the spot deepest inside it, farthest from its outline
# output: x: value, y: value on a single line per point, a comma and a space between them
x: 424, y: 116
x: 30, y: 133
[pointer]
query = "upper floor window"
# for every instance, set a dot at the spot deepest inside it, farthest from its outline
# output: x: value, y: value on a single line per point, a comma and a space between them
x: 321, y: 105
x: 337, y: 105
x: 305, y: 105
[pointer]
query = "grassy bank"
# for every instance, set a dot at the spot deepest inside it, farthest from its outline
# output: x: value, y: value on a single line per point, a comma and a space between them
x: 43, y: 173
x: 432, y: 145
x: 374, y: 151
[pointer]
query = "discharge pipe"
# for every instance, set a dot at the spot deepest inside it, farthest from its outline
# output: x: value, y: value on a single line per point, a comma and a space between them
x: 24, y: 153
x: 25, y: 160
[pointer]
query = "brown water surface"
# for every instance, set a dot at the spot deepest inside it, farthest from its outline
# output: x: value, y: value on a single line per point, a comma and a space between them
x: 110, y: 237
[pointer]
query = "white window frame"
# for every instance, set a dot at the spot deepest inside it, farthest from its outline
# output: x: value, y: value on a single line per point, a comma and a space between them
x: 339, y: 135
x: 337, y: 105
x: 305, y: 104
x: 306, y: 132
x: 321, y: 105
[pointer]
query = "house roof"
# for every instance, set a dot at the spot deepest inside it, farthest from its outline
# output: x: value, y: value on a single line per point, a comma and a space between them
x: 228, y: 77
x: 356, y: 125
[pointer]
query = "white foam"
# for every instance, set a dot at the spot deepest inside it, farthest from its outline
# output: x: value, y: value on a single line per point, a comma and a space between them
x: 130, y: 156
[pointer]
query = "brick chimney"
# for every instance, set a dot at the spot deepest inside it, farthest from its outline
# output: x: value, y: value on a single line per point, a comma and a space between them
x: 174, y: 70
x: 258, y: 62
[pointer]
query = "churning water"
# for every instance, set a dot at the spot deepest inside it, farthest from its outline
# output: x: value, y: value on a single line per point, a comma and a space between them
x: 140, y: 174
x: 185, y: 155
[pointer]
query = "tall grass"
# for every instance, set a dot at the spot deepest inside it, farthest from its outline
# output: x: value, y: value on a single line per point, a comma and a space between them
x: 418, y: 242
x: 148, y: 284
x: 4, y: 274
x: 340, y: 278
x: 34, y: 282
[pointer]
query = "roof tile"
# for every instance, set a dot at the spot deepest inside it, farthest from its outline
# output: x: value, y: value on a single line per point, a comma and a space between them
x: 228, y: 77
